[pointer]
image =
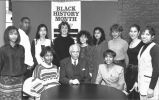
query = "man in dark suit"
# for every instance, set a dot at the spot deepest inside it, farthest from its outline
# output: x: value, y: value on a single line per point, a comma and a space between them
x: 74, y: 70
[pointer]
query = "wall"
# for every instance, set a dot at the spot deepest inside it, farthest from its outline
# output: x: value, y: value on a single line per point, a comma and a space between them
x: 38, y: 11
x: 2, y: 21
x: 95, y: 13
x: 141, y: 12
x: 101, y: 14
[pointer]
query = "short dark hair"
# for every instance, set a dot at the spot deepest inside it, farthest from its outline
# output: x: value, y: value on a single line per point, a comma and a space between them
x: 64, y: 23
x: 150, y: 29
x: 109, y: 52
x: 38, y: 29
x: 85, y: 33
x: 23, y: 18
x: 6, y: 34
x: 45, y: 50
x: 102, y: 35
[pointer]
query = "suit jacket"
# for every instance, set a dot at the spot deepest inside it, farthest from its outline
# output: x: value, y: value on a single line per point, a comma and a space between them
x: 67, y: 71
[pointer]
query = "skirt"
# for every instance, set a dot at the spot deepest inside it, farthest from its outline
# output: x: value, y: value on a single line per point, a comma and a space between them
x: 11, y: 87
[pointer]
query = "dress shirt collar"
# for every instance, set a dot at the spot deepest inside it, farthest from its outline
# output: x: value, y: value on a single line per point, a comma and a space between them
x: 73, y: 60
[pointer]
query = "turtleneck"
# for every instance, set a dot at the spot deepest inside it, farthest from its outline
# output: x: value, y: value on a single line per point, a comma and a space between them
x: 46, y: 65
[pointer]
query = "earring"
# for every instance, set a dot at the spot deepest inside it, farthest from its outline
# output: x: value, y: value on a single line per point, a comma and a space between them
x: 43, y: 59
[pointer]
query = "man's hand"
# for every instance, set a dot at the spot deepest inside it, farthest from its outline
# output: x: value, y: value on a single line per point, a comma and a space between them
x: 70, y: 81
x: 150, y: 93
x: 75, y: 82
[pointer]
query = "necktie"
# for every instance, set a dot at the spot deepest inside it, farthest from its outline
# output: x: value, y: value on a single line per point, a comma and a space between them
x: 74, y: 63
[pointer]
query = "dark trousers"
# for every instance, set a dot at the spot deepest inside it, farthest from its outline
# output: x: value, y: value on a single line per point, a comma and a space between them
x: 29, y: 72
x: 130, y: 78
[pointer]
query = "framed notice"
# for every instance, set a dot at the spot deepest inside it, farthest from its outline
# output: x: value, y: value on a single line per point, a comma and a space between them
x: 65, y: 11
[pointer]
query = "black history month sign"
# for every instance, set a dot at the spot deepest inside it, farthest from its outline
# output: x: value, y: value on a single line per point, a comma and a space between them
x: 66, y: 11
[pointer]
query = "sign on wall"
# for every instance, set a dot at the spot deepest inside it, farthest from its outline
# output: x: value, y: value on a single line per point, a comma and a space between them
x: 66, y: 11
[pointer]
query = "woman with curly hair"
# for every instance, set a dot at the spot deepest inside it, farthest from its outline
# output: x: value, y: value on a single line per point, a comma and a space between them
x: 85, y: 40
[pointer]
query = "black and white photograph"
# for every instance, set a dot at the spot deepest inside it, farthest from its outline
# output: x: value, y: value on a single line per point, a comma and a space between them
x: 79, y: 49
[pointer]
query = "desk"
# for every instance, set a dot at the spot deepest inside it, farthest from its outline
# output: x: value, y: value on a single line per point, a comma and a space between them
x: 82, y: 92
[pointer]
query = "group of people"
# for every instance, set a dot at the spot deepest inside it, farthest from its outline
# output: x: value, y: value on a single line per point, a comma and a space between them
x: 131, y: 67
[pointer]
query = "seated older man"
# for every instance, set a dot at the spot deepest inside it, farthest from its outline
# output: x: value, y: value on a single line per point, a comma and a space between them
x: 74, y: 70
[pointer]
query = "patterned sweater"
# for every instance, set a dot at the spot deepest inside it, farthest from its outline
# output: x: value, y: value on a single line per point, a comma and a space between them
x: 46, y: 76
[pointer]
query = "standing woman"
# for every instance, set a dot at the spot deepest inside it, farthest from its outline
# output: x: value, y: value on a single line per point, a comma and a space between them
x: 148, y: 66
x: 99, y: 46
x: 118, y: 45
x: 132, y: 69
x: 41, y: 40
x: 84, y: 39
x: 12, y: 66
x: 63, y: 41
